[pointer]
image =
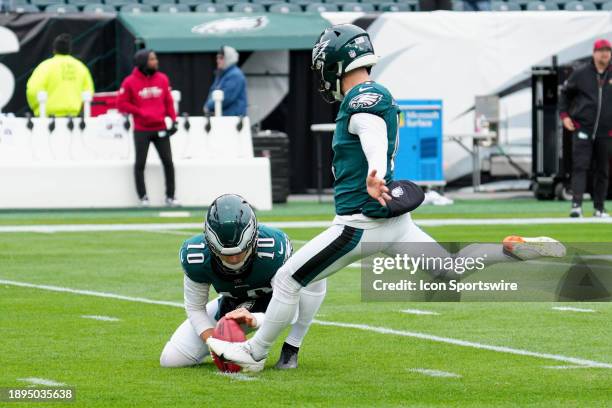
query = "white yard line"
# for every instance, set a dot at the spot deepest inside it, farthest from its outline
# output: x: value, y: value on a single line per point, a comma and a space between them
x: 568, y: 367
x: 597, y: 257
x: 103, y: 318
x: 99, y: 227
x: 171, y: 232
x: 90, y: 293
x: 364, y: 327
x: 463, y: 343
x: 419, y: 312
x: 573, y: 309
x: 296, y: 224
x: 434, y: 373
x: 175, y: 214
x: 41, y: 381
x: 510, y: 221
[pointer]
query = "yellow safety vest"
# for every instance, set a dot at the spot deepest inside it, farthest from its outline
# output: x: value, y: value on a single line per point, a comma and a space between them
x: 64, y: 78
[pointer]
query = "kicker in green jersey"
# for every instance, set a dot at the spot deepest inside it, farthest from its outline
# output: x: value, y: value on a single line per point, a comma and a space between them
x: 350, y: 166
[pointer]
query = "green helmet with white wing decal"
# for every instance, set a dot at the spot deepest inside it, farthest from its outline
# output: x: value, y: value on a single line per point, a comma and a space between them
x: 340, y: 49
x: 231, y: 229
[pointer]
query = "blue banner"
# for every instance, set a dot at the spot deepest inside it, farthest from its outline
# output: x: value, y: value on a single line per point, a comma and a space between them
x: 419, y: 157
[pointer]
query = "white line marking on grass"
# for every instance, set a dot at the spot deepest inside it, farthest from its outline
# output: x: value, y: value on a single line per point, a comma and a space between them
x: 170, y: 232
x: 463, y: 343
x: 419, y: 312
x: 237, y: 376
x: 91, y: 293
x: 143, y: 227
x: 41, y: 381
x: 434, y: 373
x: 597, y: 257
x: 568, y: 367
x: 509, y: 221
x: 297, y: 224
x: 365, y: 327
x: 103, y: 318
x: 174, y: 214
x: 572, y: 309
x: 99, y: 227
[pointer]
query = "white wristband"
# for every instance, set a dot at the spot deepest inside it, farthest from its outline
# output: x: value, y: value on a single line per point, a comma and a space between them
x: 259, y: 318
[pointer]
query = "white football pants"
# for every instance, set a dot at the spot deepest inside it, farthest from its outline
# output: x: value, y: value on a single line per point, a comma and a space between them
x: 339, y: 246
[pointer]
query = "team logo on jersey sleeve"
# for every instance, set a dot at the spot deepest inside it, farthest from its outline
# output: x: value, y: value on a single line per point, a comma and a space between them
x: 365, y: 100
x: 397, y: 192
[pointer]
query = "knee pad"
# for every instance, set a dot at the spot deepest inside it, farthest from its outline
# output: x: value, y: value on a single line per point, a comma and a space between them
x: 172, y: 357
x: 285, y: 288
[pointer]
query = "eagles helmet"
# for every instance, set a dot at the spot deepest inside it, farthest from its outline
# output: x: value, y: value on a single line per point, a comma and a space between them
x: 340, y: 49
x: 230, y: 229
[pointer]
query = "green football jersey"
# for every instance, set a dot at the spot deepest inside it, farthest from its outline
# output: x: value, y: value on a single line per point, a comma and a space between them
x: 272, y: 250
x: 350, y: 166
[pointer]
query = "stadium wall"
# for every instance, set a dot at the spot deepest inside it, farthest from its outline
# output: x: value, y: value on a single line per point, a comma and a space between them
x: 442, y: 55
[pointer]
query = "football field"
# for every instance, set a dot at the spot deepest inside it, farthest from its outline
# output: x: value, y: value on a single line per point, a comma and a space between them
x: 92, y: 307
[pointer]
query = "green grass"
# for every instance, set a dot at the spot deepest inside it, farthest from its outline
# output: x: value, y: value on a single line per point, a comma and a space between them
x: 117, y: 363
x: 295, y: 211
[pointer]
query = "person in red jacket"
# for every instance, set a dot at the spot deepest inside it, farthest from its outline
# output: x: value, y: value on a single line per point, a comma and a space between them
x: 145, y: 94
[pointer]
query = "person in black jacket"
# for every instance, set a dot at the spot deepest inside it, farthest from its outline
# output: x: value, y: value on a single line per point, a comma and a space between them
x: 585, y: 107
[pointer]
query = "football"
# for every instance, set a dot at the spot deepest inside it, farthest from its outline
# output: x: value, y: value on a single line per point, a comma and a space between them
x: 228, y: 330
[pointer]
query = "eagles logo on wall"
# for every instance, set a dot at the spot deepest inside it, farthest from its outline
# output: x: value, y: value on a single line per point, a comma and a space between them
x: 231, y: 25
x: 365, y: 100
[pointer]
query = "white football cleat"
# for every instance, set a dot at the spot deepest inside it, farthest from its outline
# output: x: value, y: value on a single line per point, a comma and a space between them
x: 237, y: 353
x: 526, y: 248
x: 576, y: 212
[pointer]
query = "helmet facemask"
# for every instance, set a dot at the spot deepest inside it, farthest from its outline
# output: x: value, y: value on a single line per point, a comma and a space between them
x: 230, y: 270
x: 217, y: 251
x: 330, y: 76
x: 237, y: 267
x: 227, y: 237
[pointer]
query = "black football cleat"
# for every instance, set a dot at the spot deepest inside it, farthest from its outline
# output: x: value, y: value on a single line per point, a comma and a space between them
x: 288, y: 358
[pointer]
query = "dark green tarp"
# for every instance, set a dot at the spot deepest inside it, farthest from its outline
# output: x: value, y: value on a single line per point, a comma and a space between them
x: 204, y: 32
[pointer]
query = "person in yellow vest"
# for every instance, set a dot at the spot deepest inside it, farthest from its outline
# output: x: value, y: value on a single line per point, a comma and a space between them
x: 63, y: 77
